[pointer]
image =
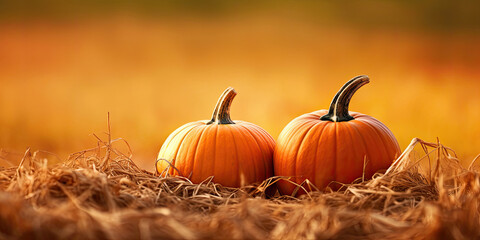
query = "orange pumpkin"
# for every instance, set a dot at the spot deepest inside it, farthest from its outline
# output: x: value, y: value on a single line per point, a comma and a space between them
x: 234, y: 152
x: 333, y: 145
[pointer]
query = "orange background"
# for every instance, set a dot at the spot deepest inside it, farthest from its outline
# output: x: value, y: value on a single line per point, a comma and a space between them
x: 155, y: 67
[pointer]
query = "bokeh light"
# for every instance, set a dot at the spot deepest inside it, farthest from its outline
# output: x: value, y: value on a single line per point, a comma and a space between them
x: 155, y: 66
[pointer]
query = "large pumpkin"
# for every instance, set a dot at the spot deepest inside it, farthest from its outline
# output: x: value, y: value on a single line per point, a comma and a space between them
x: 333, y: 145
x: 234, y: 152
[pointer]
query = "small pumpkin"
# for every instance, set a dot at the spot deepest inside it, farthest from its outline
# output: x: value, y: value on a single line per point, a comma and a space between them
x: 333, y: 145
x: 234, y: 152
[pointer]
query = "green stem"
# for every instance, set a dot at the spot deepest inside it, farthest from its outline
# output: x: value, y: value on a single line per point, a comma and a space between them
x: 221, y: 114
x: 338, y: 111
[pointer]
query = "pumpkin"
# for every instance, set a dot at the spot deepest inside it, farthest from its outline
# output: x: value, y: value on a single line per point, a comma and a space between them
x: 333, y: 145
x: 235, y: 153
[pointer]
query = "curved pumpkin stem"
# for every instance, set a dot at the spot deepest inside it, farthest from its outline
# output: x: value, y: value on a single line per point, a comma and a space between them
x: 221, y: 114
x: 338, y: 111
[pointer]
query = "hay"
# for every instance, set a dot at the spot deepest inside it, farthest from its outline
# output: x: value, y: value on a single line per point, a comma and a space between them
x: 101, y: 194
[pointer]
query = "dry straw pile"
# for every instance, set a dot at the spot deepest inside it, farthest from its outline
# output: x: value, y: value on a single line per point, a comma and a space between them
x: 101, y: 194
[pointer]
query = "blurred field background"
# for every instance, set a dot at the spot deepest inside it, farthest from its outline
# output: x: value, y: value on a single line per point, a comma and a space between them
x: 157, y: 65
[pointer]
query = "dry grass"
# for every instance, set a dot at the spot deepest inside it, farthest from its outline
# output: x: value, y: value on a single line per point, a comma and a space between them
x: 101, y: 194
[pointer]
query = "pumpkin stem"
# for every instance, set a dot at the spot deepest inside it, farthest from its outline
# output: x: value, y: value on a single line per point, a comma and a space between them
x: 221, y: 114
x: 338, y: 111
